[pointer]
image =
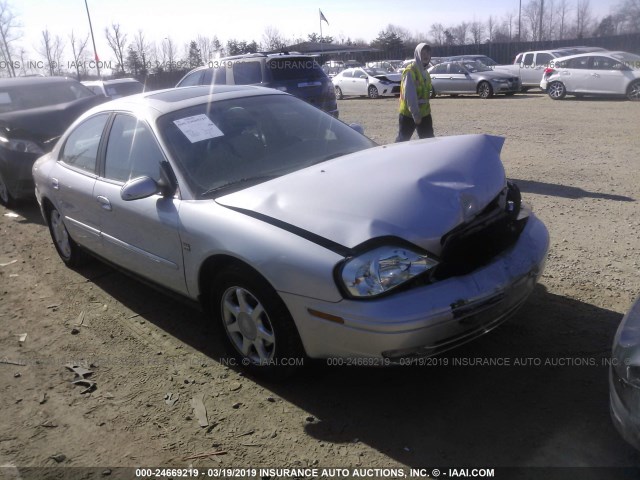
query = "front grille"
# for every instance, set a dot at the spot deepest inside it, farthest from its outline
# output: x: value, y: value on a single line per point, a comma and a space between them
x: 477, y: 242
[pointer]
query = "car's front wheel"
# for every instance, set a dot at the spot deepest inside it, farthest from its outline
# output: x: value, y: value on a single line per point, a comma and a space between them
x: 5, y: 197
x: 69, y: 251
x: 633, y: 92
x: 373, y: 92
x: 557, y: 90
x: 258, y: 329
x: 339, y: 95
x: 485, y: 90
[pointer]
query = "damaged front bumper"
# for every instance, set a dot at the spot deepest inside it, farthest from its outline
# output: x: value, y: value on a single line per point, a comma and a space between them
x: 429, y: 319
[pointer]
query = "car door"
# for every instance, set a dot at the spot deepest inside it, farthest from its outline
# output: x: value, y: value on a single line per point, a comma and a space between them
x: 606, y: 75
x: 461, y: 81
x: 343, y: 80
x: 527, y: 77
x: 73, y: 179
x: 576, y: 75
x: 535, y: 72
x: 360, y: 82
x: 440, y: 77
x: 140, y: 235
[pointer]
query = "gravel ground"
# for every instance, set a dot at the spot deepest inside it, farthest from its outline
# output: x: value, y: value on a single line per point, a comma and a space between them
x: 544, y: 404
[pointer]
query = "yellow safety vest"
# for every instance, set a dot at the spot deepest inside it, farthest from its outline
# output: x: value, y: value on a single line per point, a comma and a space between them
x: 423, y: 89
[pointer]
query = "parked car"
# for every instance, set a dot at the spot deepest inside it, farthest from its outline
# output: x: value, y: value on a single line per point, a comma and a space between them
x: 119, y: 87
x: 489, y: 62
x: 34, y: 112
x: 297, y: 74
x: 251, y: 202
x: 530, y: 66
x: 624, y: 377
x: 598, y: 73
x: 371, y: 82
x: 458, y: 78
x: 405, y: 63
x: 388, y: 66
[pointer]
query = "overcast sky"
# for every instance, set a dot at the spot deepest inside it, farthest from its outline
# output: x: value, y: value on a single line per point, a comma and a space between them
x: 246, y: 20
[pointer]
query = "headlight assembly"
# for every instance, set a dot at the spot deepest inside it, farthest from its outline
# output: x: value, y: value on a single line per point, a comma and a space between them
x: 22, y: 146
x: 382, y: 269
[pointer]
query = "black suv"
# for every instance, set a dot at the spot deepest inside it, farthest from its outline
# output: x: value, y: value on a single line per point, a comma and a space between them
x: 297, y: 74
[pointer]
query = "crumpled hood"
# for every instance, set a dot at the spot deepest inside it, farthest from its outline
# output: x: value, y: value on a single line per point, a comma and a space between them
x: 390, y: 77
x: 416, y: 190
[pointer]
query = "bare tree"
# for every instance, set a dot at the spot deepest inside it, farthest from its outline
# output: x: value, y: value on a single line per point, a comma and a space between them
x: 272, y: 39
x: 436, y: 32
x: 117, y: 42
x: 491, y: 28
x: 477, y: 30
x: 401, y: 32
x: 583, y: 18
x: 169, y: 54
x: 78, y: 47
x: 143, y: 50
x: 8, y: 33
x: 46, y: 50
x: 531, y: 16
x: 460, y: 33
x: 210, y: 48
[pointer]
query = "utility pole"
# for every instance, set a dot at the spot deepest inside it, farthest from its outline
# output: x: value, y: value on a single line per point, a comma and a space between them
x: 93, y: 40
x: 519, y: 22
x: 541, y: 14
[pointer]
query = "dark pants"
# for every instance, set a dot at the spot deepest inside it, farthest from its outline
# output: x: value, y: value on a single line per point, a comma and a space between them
x: 408, y: 126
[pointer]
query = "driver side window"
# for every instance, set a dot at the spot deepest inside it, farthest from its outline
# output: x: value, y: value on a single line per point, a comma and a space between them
x: 132, y: 151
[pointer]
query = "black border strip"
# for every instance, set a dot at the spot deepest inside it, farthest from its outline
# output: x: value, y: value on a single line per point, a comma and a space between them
x: 307, y: 235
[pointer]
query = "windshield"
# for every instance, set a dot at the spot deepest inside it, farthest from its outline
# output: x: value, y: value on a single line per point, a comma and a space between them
x: 628, y: 59
x: 243, y: 141
x: 24, y: 97
x: 295, y: 68
x: 117, y: 90
x: 474, y: 67
x: 487, y: 61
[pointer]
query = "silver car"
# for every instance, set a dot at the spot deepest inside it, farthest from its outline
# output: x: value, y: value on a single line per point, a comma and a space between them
x: 471, y: 77
x: 296, y: 233
x: 624, y: 377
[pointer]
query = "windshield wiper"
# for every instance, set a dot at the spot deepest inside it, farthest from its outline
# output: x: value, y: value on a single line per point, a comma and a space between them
x: 237, y: 182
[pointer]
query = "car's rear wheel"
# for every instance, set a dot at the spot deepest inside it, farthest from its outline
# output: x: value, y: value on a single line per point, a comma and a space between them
x: 485, y: 90
x: 258, y: 329
x: 339, y: 95
x: 69, y: 251
x: 5, y: 197
x: 557, y: 90
x: 633, y: 92
x: 373, y: 92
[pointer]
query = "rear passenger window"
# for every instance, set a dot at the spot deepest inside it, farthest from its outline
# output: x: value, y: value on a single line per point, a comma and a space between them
x: 442, y: 68
x: 579, y: 63
x: 605, y: 63
x: 192, y: 79
x: 246, y: 73
x: 81, y: 148
x: 544, y: 59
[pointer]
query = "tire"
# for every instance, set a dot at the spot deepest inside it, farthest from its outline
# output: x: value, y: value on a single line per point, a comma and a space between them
x: 256, y: 325
x: 633, y: 92
x: 69, y: 251
x: 432, y: 93
x: 485, y: 90
x: 5, y: 197
x: 339, y: 95
x: 372, y: 92
x: 556, y: 90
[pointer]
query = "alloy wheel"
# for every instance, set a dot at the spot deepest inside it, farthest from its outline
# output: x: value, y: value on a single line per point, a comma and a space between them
x: 60, y: 234
x: 247, y: 325
x: 634, y: 92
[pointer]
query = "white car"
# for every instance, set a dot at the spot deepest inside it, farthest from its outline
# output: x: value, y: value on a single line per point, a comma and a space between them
x: 596, y: 73
x: 112, y: 89
x: 371, y: 82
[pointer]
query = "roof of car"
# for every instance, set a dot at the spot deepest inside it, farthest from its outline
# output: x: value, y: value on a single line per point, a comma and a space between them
x: 165, y: 101
x: 110, y: 82
x: 17, y: 81
x: 591, y: 54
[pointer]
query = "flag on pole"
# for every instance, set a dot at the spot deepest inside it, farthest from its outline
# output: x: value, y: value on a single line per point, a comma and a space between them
x: 322, y: 17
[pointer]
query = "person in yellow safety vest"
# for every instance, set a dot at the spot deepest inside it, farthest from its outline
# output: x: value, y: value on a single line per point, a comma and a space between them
x: 415, y: 111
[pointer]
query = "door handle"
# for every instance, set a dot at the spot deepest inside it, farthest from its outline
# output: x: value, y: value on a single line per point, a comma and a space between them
x: 104, y: 202
x: 54, y: 184
x: 595, y: 75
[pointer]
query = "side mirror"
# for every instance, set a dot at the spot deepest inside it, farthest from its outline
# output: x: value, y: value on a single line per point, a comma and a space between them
x: 138, y: 188
x: 357, y: 127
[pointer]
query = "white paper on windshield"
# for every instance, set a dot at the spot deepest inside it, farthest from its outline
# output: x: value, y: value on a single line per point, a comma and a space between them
x: 198, y: 128
x: 5, y: 98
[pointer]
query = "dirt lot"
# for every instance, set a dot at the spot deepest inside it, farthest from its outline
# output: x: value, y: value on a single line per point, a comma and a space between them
x: 576, y: 161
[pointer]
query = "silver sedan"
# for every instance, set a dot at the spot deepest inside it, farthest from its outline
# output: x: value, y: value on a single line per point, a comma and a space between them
x: 297, y: 234
x: 471, y: 77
